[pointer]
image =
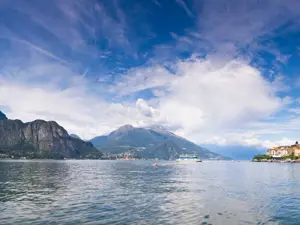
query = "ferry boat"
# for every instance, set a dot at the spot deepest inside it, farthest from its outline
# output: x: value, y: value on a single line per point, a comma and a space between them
x: 188, y: 158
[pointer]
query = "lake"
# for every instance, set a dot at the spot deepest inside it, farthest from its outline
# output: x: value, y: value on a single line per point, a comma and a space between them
x: 135, y: 192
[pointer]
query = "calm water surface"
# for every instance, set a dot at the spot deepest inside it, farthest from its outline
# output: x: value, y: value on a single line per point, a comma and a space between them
x: 135, y: 192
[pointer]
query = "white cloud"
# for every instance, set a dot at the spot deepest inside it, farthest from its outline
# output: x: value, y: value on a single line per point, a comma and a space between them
x: 287, y: 100
x: 143, y: 78
x: 64, y: 30
x: 247, y: 138
x: 209, y: 102
x: 294, y: 110
x: 147, y: 110
x: 267, y: 143
x: 225, y: 27
x: 74, y: 107
x: 185, y: 8
x: 201, y: 101
x: 206, y: 97
x: 248, y: 19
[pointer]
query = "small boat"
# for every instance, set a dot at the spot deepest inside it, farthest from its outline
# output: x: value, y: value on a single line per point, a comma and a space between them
x: 155, y: 164
x: 188, y: 158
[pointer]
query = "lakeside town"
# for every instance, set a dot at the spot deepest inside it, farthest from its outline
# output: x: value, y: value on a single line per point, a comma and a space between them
x: 290, y: 153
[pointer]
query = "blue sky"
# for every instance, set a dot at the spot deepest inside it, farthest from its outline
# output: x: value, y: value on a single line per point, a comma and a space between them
x: 216, y: 72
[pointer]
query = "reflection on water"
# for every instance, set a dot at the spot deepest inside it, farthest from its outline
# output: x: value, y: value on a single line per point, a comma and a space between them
x: 135, y: 192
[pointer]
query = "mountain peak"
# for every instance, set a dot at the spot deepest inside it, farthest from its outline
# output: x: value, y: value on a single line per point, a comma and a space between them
x: 157, y: 127
x: 3, y: 116
x: 125, y: 127
x: 161, y: 129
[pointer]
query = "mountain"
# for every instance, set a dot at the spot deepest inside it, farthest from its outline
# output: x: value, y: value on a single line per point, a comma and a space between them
x: 75, y: 136
x: 41, y: 139
x: 168, y: 150
x: 99, y: 141
x: 2, y: 116
x: 154, y: 142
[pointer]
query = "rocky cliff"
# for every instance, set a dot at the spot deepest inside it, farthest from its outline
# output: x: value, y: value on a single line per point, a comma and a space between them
x: 41, y: 139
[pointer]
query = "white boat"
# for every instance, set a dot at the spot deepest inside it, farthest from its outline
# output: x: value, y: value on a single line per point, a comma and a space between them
x: 188, y: 158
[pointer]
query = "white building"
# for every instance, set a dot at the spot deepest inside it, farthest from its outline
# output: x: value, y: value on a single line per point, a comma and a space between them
x: 278, y: 152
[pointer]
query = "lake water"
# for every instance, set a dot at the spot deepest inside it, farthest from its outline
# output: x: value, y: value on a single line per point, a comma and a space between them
x: 135, y: 192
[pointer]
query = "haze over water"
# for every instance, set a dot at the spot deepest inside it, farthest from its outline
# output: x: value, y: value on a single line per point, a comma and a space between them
x: 135, y: 192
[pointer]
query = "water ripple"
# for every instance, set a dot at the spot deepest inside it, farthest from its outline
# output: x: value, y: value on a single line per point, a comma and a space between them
x: 117, y: 192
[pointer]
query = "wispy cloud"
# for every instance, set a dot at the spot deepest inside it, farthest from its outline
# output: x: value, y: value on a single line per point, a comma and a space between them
x: 140, y: 79
x: 42, y: 51
x: 156, y: 2
x: 73, y: 28
x: 242, y: 22
x: 185, y: 7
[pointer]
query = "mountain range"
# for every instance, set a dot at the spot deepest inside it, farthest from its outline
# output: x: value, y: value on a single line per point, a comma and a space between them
x: 41, y: 139
x: 47, y: 139
x: 155, y: 142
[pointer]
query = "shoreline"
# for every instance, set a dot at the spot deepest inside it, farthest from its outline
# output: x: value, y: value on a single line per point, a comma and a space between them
x: 277, y: 160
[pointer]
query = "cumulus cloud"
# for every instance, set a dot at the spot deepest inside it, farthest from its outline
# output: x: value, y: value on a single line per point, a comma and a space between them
x: 204, y: 100
x: 147, y: 110
x: 247, y: 139
x: 78, y: 112
x: 36, y: 95
x: 220, y: 96
x: 200, y: 100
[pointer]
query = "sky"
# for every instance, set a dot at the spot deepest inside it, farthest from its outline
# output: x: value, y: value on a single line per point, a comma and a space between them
x: 216, y: 72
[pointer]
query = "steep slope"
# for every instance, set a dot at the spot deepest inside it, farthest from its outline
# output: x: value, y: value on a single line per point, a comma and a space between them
x: 41, y: 139
x: 130, y: 136
x: 184, y: 144
x: 167, y: 150
x: 75, y: 136
x: 154, y: 142
x: 2, y: 116
x: 99, y: 141
x: 127, y: 138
